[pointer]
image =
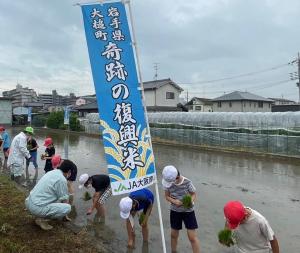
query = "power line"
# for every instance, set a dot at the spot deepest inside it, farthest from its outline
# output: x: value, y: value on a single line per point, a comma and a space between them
x: 257, y: 87
x: 269, y: 85
x: 243, y: 83
x: 240, y: 75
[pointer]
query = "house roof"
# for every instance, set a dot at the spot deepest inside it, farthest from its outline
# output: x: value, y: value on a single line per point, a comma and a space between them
x: 90, y: 99
x: 153, y: 85
x: 89, y: 106
x: 238, y: 96
x: 204, y: 100
x: 163, y: 109
x: 282, y: 100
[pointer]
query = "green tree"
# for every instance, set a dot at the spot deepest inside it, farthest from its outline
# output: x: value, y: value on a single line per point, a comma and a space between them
x: 39, y: 120
x: 55, y: 120
x: 74, y: 123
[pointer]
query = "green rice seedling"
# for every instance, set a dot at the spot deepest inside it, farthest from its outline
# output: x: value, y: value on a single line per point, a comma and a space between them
x: 225, y: 237
x: 87, y: 196
x: 187, y: 201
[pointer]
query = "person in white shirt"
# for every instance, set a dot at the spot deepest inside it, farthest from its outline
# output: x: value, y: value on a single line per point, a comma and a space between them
x: 251, y: 230
x: 49, y: 199
x: 18, y: 151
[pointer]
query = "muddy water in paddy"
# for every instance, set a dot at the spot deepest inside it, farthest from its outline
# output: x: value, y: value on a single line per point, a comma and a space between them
x: 270, y: 186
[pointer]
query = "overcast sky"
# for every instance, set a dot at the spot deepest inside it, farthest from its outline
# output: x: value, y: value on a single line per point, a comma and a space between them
x: 42, y: 45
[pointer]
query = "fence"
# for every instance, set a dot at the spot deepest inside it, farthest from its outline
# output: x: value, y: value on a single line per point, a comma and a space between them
x: 270, y: 133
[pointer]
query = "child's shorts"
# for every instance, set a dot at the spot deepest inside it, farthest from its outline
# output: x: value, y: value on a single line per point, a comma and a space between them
x: 189, y: 219
x: 105, y: 195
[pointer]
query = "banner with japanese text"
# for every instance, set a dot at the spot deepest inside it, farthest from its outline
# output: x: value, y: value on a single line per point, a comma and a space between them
x: 29, y: 115
x: 66, y: 115
x: 126, y: 138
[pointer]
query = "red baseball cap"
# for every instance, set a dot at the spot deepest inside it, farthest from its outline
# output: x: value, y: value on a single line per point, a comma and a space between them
x: 234, y: 212
x: 2, y: 128
x: 56, y: 161
x: 48, y: 141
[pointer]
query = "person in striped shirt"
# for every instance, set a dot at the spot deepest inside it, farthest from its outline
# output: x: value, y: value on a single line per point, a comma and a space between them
x: 176, y: 188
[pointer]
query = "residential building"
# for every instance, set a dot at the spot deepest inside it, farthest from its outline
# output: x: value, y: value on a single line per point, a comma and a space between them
x: 55, y: 108
x: 282, y: 101
x: 199, y: 105
x: 54, y: 99
x: 84, y: 109
x: 36, y: 106
x: 162, y: 95
x: 46, y: 99
x: 85, y: 100
x: 69, y: 99
x: 286, y: 108
x: 5, y: 111
x: 21, y: 95
x: 51, y: 99
x: 238, y: 101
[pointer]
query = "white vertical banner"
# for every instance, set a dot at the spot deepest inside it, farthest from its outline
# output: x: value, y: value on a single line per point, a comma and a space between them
x: 29, y: 115
x: 66, y: 115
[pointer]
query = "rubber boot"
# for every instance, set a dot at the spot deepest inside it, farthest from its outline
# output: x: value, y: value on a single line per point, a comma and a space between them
x: 43, y: 224
x: 5, y: 164
x: 17, y: 179
x: 26, y: 174
x: 36, y: 173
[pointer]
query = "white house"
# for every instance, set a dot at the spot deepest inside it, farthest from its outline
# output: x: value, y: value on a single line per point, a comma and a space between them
x: 85, y: 100
x: 238, y: 101
x: 162, y: 95
x: 200, y: 105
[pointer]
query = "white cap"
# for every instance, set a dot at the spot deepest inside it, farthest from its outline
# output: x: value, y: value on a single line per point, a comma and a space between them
x: 169, y: 175
x: 125, y: 207
x: 82, y: 180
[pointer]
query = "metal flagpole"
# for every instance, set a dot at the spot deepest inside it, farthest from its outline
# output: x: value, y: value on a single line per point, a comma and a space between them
x: 67, y: 143
x: 143, y: 99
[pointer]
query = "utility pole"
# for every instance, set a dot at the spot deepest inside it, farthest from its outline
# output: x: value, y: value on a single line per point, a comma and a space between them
x: 156, y: 70
x: 187, y: 96
x: 298, y: 84
x: 296, y: 75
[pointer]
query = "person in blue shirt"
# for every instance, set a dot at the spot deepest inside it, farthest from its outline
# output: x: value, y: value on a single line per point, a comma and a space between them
x: 5, y: 145
x: 49, y: 199
x: 141, y: 200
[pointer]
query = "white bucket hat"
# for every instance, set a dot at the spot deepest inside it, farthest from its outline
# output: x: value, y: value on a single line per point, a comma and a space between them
x: 82, y: 180
x: 125, y: 207
x: 169, y: 175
